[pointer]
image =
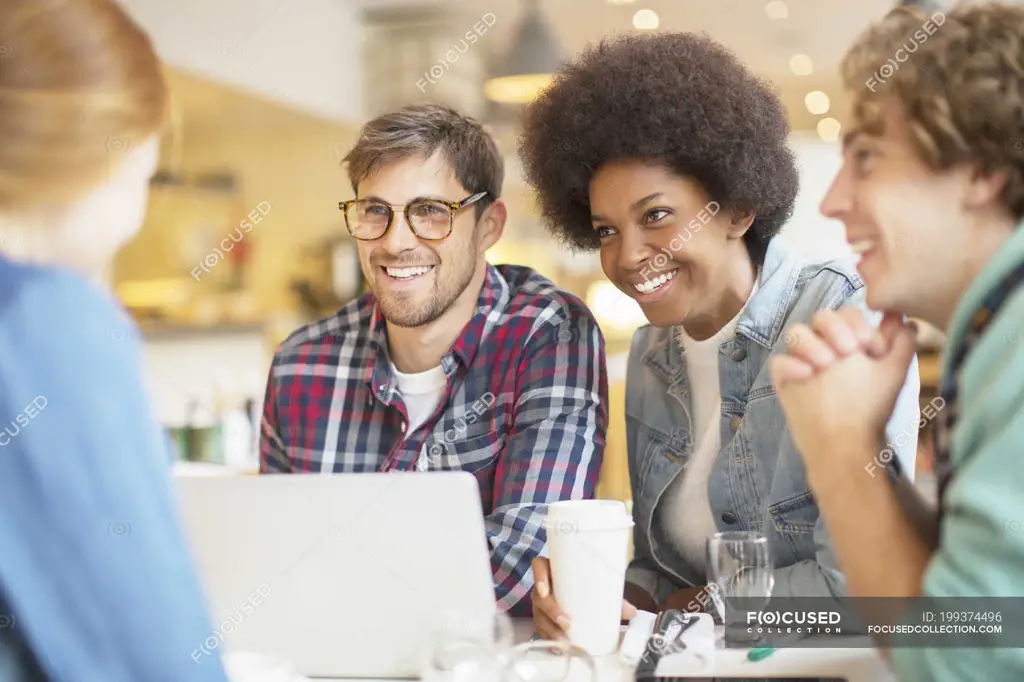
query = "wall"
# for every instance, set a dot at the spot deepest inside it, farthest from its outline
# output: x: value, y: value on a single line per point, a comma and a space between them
x: 809, y: 232
x: 291, y: 162
x: 297, y: 171
x: 307, y: 54
x: 186, y: 369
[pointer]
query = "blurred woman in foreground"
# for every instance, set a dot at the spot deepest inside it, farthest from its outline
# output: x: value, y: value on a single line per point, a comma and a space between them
x: 95, y: 581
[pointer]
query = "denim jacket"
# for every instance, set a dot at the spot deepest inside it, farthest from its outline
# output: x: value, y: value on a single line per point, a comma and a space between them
x: 757, y: 482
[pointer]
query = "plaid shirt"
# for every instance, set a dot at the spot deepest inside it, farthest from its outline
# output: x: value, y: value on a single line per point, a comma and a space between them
x: 525, y: 409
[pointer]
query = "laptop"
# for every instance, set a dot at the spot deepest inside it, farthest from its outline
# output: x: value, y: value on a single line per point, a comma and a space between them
x: 345, y: 575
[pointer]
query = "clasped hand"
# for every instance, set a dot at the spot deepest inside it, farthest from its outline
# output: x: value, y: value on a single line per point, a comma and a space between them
x: 838, y: 383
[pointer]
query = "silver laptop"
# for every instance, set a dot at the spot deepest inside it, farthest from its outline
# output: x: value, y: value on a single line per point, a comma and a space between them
x: 346, y: 575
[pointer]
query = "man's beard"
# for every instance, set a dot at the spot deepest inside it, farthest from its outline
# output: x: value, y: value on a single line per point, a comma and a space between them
x: 404, y: 313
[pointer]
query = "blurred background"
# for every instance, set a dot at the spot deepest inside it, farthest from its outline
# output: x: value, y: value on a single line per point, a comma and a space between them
x: 268, y: 96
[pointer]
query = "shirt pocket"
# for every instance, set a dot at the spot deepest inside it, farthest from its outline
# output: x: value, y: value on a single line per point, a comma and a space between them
x: 462, y: 454
x: 661, y: 456
x: 794, y: 519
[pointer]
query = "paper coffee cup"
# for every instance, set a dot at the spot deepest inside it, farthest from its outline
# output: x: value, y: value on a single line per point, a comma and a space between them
x: 587, y: 545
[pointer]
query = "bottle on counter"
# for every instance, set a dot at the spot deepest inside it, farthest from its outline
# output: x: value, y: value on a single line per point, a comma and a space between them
x: 199, y: 440
x: 237, y: 437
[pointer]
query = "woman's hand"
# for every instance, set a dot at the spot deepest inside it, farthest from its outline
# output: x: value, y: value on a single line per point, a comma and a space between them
x: 548, y: 619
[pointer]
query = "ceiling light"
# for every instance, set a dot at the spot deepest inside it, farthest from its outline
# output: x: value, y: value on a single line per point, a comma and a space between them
x: 776, y: 10
x: 828, y: 129
x: 801, y: 65
x: 645, y: 20
x: 530, y: 64
x: 817, y: 102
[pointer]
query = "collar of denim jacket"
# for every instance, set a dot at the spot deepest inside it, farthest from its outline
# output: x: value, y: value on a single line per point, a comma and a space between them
x: 764, y: 316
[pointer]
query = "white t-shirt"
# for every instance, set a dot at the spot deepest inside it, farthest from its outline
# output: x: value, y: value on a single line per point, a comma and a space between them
x: 422, y: 393
x: 686, y: 511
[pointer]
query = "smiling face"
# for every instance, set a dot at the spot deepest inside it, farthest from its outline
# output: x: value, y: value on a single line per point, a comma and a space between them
x: 668, y: 246
x: 415, y: 280
x: 910, y: 224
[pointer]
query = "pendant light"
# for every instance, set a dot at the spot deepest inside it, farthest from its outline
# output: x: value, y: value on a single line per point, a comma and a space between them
x: 534, y: 56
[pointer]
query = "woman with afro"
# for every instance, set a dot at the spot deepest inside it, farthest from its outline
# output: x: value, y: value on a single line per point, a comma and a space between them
x: 669, y: 157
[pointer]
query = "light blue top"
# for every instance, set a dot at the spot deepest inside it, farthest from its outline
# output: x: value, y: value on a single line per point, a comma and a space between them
x: 757, y: 482
x: 981, y: 544
x: 95, y: 581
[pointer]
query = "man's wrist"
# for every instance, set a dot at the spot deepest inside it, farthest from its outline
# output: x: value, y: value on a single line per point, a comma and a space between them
x: 850, y: 458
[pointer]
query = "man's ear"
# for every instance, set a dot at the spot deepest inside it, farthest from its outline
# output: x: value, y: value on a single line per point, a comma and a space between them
x: 740, y: 221
x: 491, y: 225
x: 985, y: 187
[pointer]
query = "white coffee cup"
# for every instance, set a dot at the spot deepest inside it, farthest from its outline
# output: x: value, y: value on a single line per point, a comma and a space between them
x: 587, y: 545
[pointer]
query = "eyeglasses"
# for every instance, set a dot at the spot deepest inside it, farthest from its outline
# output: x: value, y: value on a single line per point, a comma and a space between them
x: 430, y: 219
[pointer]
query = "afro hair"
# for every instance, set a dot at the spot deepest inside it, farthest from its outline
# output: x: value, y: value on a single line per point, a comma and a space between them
x: 679, y: 100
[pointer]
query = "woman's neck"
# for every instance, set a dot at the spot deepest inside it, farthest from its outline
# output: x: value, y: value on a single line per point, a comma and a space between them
x: 729, y: 297
x: 43, y: 245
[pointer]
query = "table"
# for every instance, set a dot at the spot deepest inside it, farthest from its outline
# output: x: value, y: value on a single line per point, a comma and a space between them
x: 854, y: 664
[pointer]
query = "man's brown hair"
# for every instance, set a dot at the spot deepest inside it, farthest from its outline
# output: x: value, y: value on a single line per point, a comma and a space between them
x: 959, y: 77
x: 421, y: 130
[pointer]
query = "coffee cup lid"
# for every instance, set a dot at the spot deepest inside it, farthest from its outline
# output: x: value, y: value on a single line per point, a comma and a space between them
x: 587, y: 515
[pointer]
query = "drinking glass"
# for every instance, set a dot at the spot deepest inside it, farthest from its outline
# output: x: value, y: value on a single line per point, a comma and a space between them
x: 549, y: 661
x: 481, y: 649
x: 468, y: 648
x: 740, y: 567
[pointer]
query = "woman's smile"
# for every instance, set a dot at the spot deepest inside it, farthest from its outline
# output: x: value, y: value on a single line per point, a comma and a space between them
x: 653, y: 288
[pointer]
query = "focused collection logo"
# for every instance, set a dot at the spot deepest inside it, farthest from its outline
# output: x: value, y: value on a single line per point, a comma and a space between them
x: 801, y: 622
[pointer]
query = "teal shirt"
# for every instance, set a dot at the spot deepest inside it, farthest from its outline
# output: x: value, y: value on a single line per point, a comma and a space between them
x: 981, y: 549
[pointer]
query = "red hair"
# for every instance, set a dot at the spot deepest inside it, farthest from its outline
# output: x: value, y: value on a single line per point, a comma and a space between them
x: 80, y: 84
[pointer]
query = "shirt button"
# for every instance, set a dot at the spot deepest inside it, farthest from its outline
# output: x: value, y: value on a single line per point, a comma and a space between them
x: 729, y: 518
x: 735, y: 422
x: 739, y: 354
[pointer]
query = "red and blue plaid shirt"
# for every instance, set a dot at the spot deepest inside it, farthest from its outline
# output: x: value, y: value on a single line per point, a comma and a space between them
x: 525, y: 409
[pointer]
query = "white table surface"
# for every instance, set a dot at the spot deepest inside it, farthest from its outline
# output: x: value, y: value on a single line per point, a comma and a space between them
x: 853, y: 664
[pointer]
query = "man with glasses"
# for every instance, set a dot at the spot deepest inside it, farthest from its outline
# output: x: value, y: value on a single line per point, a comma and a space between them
x: 448, y: 363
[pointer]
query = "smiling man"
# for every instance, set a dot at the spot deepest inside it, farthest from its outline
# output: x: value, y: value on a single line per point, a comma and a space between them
x: 931, y: 193
x: 448, y: 363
